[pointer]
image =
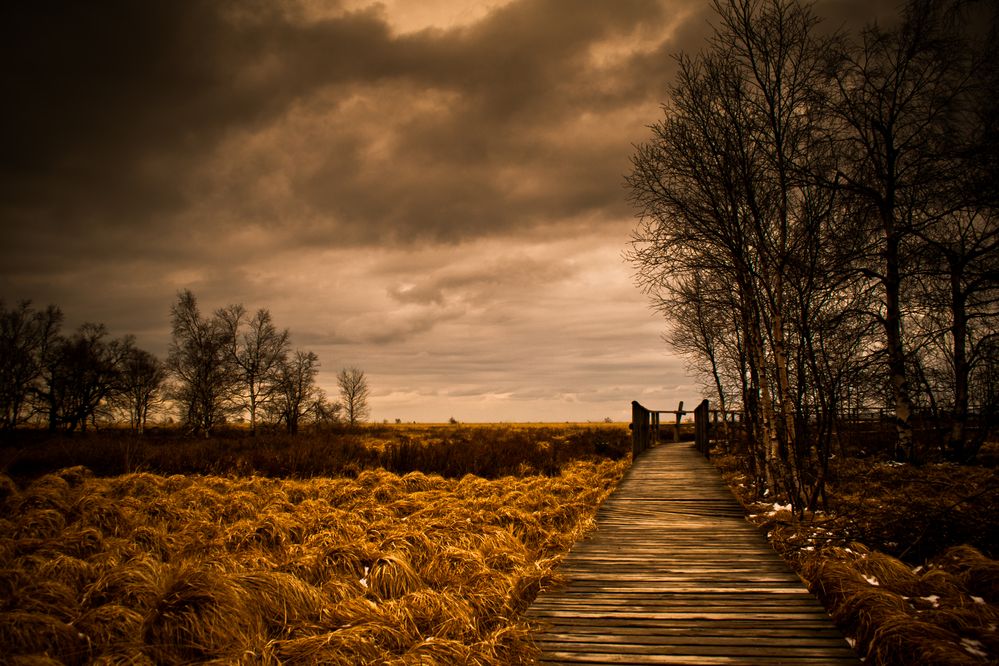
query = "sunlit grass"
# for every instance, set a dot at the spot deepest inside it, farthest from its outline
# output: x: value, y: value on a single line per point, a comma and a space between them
x: 381, y: 568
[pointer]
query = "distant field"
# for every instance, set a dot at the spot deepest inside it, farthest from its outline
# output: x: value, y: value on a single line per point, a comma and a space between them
x: 369, y: 566
x: 489, y: 450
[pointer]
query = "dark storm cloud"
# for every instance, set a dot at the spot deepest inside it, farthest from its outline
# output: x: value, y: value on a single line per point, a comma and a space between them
x: 522, y: 133
x: 852, y: 15
x: 115, y: 106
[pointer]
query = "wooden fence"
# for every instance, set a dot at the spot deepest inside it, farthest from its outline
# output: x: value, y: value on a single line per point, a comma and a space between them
x: 647, y: 425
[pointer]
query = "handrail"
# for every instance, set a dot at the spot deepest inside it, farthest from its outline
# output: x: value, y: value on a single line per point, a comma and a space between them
x: 645, y: 426
x: 702, y: 427
x: 643, y: 434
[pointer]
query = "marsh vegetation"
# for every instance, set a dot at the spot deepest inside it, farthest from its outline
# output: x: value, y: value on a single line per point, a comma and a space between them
x: 363, y: 566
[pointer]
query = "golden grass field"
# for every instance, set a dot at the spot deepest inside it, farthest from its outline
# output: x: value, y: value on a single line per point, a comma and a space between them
x: 382, y: 568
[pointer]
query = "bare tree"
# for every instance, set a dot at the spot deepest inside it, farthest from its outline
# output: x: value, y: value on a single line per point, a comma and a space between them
x: 80, y: 373
x: 956, y: 300
x: 204, y: 376
x: 25, y: 337
x: 322, y: 411
x: 354, y: 393
x: 726, y: 200
x: 257, y: 349
x: 700, y: 329
x: 896, y: 114
x: 297, y: 392
x: 141, y: 381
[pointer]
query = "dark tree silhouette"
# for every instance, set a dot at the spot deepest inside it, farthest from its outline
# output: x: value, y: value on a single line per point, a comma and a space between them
x: 26, y: 335
x: 201, y: 365
x: 297, y: 392
x: 141, y: 380
x: 354, y: 394
x: 257, y: 351
x: 81, y: 372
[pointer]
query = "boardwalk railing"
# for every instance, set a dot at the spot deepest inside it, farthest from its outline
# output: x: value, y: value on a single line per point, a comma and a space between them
x: 702, y: 431
x: 645, y: 426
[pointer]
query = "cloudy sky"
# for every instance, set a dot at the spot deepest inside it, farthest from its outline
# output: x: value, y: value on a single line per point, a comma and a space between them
x: 431, y: 190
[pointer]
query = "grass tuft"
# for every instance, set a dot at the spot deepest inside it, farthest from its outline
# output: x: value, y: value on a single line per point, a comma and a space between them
x: 200, y: 614
x: 391, y: 577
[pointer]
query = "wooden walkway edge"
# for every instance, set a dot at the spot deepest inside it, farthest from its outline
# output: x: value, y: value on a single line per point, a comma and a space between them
x: 674, y: 574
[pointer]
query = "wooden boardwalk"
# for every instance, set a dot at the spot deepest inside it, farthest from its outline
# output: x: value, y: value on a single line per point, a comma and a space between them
x: 674, y: 574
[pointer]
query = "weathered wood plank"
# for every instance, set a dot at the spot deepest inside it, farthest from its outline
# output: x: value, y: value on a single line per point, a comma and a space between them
x: 674, y: 659
x: 721, y: 631
x: 675, y: 575
x: 700, y: 649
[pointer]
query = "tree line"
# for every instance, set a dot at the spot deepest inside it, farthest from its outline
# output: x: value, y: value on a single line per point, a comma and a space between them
x: 818, y: 224
x: 221, y: 367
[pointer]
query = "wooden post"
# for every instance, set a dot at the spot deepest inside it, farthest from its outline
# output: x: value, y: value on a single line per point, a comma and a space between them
x: 676, y: 428
x: 701, y: 428
x: 639, y: 429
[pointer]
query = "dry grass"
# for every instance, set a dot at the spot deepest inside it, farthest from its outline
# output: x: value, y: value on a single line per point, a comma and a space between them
x: 901, y: 615
x: 940, y: 605
x: 381, y: 568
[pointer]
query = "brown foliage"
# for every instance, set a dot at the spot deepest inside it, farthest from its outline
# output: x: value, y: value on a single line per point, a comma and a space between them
x: 899, y: 615
x: 938, y: 606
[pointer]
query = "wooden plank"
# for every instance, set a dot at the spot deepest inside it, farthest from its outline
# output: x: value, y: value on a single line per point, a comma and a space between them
x: 675, y: 575
x: 716, y: 629
x: 728, y: 649
x: 673, y: 659
x: 595, y: 639
x: 707, y: 615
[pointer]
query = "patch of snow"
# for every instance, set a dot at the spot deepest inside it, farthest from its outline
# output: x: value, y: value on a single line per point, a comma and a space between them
x: 872, y: 580
x: 809, y: 548
x: 978, y: 600
x: 917, y: 569
x: 974, y: 647
x: 779, y: 507
x: 363, y: 582
x: 852, y: 642
x: 933, y: 599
